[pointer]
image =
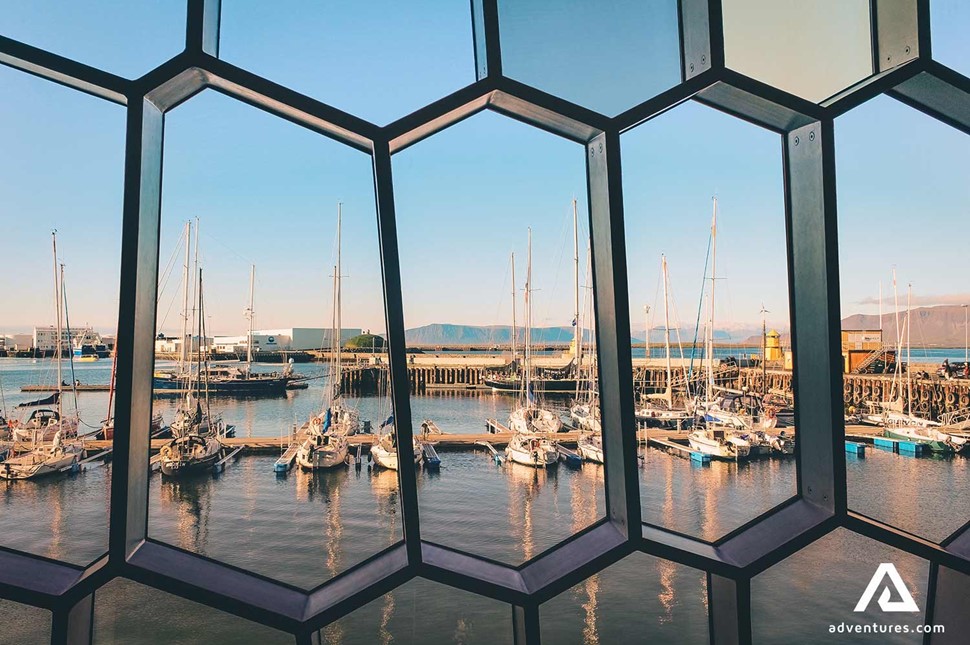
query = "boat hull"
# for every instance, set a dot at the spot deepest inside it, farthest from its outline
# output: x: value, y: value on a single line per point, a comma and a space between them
x: 590, y: 452
x: 310, y: 457
x: 257, y: 387
x: 388, y: 458
x: 34, y: 464
x: 189, y: 455
x: 939, y: 445
x: 544, y: 386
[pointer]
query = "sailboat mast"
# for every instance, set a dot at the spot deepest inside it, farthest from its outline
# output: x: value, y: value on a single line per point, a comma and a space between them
x: 528, y: 319
x: 251, y: 313
x: 578, y: 339
x: 710, y: 354
x: 334, y: 343
x: 909, y: 362
x: 897, y: 386
x: 183, y: 352
x: 670, y: 391
x: 57, y: 313
x: 514, y: 330
x: 338, y: 298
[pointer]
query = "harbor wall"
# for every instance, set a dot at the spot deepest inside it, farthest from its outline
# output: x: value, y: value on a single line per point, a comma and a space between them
x: 931, y: 395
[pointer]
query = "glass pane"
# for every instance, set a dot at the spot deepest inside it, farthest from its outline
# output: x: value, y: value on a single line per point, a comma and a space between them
x: 948, y: 21
x: 467, y: 199
x: 812, y: 49
x: 378, y: 60
x: 640, y: 599
x: 62, y: 169
x: 816, y: 592
x: 605, y: 56
x: 131, y: 613
x: 125, y: 38
x: 261, y: 265
x: 421, y: 611
x: 23, y: 623
x: 709, y: 288
x: 904, y: 315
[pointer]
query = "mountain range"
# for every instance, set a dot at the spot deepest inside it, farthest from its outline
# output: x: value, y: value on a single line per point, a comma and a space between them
x: 940, y: 326
x: 450, y: 334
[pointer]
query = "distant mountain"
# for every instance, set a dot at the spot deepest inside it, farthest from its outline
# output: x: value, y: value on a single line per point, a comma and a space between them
x: 449, y: 334
x: 942, y: 326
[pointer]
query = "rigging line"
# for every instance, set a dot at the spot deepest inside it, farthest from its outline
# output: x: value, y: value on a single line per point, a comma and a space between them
x: 70, y: 345
x: 166, y: 274
x: 700, y: 308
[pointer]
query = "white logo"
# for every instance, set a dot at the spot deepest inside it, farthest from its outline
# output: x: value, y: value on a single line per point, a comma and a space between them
x: 906, y: 602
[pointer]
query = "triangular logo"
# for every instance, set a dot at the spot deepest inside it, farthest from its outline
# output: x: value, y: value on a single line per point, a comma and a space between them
x: 906, y: 602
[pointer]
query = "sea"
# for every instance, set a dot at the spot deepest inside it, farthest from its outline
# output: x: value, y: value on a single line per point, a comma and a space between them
x: 305, y: 528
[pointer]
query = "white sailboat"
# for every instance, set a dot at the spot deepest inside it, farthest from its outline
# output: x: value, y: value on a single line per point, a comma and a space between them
x: 384, y: 452
x: 64, y: 451
x: 900, y: 424
x: 325, y: 444
x: 531, y: 424
x: 196, y: 435
x: 895, y: 411
x: 720, y: 430
x: 719, y: 441
x: 658, y: 409
x: 585, y: 411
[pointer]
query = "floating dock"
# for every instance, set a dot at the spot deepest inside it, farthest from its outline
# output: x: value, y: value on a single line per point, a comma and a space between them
x: 285, y: 463
x: 679, y: 450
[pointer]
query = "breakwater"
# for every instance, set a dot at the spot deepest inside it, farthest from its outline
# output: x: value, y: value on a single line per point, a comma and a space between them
x: 932, y: 395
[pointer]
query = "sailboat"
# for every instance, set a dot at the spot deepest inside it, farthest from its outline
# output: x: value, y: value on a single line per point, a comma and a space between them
x: 64, y: 451
x: 910, y: 427
x: 531, y: 424
x: 658, y: 409
x: 325, y: 445
x: 719, y: 434
x: 585, y: 411
x: 384, y: 452
x: 225, y: 380
x: 4, y: 423
x: 549, y: 380
x: 107, y: 430
x: 196, y: 435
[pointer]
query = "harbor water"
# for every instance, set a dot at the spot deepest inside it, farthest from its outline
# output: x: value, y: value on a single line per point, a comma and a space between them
x: 305, y: 528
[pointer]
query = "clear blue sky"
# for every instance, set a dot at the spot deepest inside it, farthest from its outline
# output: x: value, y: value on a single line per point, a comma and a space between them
x: 266, y: 190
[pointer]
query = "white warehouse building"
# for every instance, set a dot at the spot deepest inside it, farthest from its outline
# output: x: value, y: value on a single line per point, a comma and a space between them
x: 292, y: 339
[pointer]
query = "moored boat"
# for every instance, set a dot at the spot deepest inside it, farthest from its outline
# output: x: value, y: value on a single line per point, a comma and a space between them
x: 530, y: 449
x: 719, y: 441
x: 58, y: 457
x: 936, y: 438
x: 384, y: 451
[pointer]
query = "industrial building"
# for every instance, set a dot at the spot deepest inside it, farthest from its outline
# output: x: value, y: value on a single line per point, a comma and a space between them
x: 292, y: 339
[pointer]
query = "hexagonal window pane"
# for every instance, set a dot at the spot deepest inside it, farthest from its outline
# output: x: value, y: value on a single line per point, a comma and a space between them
x: 62, y: 170
x: 812, y: 49
x: 818, y: 590
x: 904, y: 349
x: 709, y: 306
x: 128, y: 612
x: 639, y: 599
x: 125, y: 38
x: 604, y: 56
x: 24, y: 624
x: 377, y: 60
x: 422, y: 611
x: 470, y: 201
x: 948, y: 20
x: 269, y: 253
